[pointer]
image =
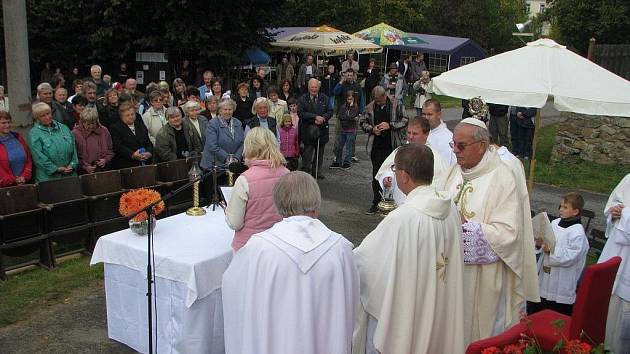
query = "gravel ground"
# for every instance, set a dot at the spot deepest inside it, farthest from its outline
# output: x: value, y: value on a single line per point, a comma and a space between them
x: 78, y: 324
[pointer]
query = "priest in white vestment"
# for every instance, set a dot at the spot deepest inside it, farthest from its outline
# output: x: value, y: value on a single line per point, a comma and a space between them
x: 617, y: 215
x: 500, y: 265
x: 411, y: 269
x: 417, y: 132
x: 293, y: 288
x: 439, y: 136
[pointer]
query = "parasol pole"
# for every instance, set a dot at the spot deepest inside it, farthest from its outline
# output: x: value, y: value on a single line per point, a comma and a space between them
x: 532, y: 162
x: 385, y: 64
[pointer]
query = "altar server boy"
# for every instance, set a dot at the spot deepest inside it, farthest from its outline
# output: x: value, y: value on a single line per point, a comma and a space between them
x: 562, y: 266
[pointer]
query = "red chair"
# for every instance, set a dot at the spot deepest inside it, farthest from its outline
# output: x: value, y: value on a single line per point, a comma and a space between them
x: 589, y: 314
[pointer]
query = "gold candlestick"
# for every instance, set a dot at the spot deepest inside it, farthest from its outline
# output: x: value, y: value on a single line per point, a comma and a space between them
x: 230, y: 179
x: 195, y: 210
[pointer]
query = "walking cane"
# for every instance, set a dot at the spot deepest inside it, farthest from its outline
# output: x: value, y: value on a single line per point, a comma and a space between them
x: 316, y: 157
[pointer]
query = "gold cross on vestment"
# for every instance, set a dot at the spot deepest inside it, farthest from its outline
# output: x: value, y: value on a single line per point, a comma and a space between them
x: 439, y: 265
x: 461, y: 199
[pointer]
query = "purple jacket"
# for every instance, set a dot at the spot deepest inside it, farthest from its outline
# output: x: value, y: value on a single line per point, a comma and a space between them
x: 92, y: 145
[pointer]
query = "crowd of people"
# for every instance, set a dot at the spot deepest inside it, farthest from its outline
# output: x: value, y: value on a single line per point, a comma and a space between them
x: 111, y: 124
x: 455, y: 262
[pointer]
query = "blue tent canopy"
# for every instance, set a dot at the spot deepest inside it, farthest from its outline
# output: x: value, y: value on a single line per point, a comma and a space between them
x: 255, y: 56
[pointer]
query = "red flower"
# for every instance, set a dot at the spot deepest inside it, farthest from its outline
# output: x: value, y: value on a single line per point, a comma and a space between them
x: 491, y: 350
x: 576, y: 346
x: 513, y: 349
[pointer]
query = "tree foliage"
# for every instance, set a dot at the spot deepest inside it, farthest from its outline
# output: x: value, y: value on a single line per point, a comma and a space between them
x: 577, y: 21
x: 69, y: 33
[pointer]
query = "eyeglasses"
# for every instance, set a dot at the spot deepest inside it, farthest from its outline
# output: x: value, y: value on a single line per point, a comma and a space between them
x: 462, y: 146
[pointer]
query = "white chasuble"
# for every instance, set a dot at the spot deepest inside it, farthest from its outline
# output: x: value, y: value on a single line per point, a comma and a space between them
x: 411, y: 279
x: 618, y: 244
x: 291, y: 289
x: 494, y: 292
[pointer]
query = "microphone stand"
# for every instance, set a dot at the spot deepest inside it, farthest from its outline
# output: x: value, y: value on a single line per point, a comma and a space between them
x: 214, y: 170
x: 150, y: 216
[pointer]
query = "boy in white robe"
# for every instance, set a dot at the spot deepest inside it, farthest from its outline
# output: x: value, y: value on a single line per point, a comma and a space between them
x: 293, y: 288
x: 417, y: 133
x: 562, y: 266
x: 618, y: 244
x: 411, y: 269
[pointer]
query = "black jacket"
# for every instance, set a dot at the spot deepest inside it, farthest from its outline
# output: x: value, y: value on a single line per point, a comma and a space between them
x: 255, y: 122
x: 126, y: 143
x: 243, y: 109
x: 497, y: 110
x: 307, y: 110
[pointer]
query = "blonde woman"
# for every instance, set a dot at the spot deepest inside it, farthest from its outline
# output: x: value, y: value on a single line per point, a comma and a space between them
x: 250, y: 209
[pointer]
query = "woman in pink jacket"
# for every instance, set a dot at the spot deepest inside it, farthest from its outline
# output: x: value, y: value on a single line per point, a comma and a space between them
x: 250, y: 209
x: 94, y: 143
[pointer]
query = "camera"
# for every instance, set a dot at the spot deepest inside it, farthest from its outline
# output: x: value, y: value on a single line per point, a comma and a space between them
x: 393, y: 79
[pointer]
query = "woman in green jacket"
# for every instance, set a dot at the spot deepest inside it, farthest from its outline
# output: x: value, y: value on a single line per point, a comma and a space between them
x: 52, y: 146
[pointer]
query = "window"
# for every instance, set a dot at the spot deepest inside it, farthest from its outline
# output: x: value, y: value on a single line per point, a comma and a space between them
x: 527, y: 8
x: 437, y: 63
x: 466, y: 60
x: 542, y: 8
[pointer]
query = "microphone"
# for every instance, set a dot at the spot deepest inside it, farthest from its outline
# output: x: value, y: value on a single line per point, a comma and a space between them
x: 237, y: 167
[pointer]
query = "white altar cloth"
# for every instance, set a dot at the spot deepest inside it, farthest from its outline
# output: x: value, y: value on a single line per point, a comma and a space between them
x: 191, y: 254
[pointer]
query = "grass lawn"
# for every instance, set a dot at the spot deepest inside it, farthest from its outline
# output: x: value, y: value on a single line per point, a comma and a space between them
x: 26, y: 293
x: 448, y: 102
x: 445, y: 101
x: 582, y: 175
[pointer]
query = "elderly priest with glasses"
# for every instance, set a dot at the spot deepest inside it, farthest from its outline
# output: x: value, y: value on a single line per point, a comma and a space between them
x: 499, y: 261
x: 292, y: 288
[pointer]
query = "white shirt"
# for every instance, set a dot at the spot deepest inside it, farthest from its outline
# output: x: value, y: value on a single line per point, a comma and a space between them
x: 439, y: 138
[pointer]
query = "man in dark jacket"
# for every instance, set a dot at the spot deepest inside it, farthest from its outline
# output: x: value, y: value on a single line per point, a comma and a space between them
x: 498, y: 125
x: 385, y: 123
x: 314, y: 113
x: 522, y: 131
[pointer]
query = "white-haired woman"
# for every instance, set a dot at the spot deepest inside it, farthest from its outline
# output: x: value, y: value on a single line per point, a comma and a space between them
x: 261, y: 118
x: 193, y: 117
x: 298, y: 276
x: 52, y: 146
x: 250, y: 209
x: 177, y: 139
x: 224, y: 137
x: 94, y: 143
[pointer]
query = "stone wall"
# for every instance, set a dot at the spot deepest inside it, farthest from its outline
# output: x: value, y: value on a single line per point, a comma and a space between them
x: 600, y: 139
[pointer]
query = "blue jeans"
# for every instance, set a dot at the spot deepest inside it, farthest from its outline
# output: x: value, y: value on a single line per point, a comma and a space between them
x: 345, y: 139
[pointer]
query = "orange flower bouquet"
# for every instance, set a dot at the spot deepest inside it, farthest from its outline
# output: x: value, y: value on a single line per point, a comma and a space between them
x: 136, y: 200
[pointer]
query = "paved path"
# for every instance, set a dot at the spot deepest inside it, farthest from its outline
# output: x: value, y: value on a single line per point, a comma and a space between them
x: 78, y: 325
